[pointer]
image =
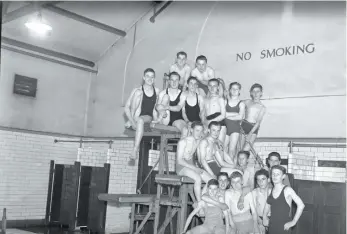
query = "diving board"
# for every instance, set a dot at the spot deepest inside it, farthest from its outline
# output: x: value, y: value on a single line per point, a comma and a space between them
x: 155, y: 129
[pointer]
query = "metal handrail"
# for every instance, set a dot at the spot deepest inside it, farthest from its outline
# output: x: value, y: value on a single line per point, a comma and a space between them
x: 319, y: 145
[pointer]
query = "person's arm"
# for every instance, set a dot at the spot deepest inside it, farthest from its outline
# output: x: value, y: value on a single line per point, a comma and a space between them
x: 191, y: 215
x: 254, y: 212
x: 227, y: 221
x: 180, y: 104
x: 202, y: 155
x: 127, y: 110
x: 259, y: 120
x: 159, y: 107
x: 222, y: 111
x: 300, y: 207
x: 155, y: 113
x: 265, y: 214
x: 219, y: 158
x: 237, y: 116
x: 184, y: 114
x: 206, y: 198
x: 202, y: 109
x: 180, y: 160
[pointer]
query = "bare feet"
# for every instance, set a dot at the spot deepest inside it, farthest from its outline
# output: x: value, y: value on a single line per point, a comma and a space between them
x: 132, y: 157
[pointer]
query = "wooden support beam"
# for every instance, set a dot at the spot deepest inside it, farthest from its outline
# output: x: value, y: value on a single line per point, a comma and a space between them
x: 85, y: 20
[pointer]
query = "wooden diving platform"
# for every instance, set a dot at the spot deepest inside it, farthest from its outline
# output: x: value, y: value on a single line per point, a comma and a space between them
x: 154, y: 129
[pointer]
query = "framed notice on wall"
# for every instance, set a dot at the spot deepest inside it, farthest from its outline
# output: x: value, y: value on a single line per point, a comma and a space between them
x: 24, y: 85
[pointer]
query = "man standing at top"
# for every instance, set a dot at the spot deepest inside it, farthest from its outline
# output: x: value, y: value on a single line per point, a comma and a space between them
x: 182, y: 68
x: 203, y: 73
x: 139, y: 109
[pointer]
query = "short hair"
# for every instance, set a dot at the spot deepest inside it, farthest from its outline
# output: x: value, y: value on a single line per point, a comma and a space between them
x: 213, y: 80
x: 196, y: 123
x: 256, y: 85
x: 212, y: 182
x: 278, y: 167
x: 174, y: 74
x: 181, y: 53
x: 148, y: 70
x: 235, y: 174
x: 201, y: 57
x: 274, y: 154
x: 192, y: 78
x: 247, y: 153
x: 214, y: 123
x: 234, y: 83
x: 262, y: 172
x: 223, y: 174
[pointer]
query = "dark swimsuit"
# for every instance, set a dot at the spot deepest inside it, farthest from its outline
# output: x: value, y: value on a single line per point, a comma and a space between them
x: 232, y: 125
x: 173, y: 114
x: 222, y: 122
x: 247, y: 127
x: 203, y: 87
x: 193, y: 112
x: 148, y: 103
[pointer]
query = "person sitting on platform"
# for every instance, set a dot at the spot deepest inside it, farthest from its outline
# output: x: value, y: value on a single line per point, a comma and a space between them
x: 213, y: 223
x: 260, y: 194
x: 203, y: 73
x: 185, y: 165
x: 140, y: 109
x: 274, y: 158
x: 182, y: 68
x: 193, y: 107
x: 235, y: 111
x: 279, y: 202
x: 170, y: 103
x: 210, y: 152
x: 255, y: 112
x: 245, y: 219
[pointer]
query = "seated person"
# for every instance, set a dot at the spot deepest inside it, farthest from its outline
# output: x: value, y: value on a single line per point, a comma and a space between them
x: 170, y: 104
x: 203, y: 73
x: 260, y: 194
x: 245, y: 220
x: 182, y: 68
x: 280, y: 201
x: 213, y: 223
x: 185, y: 159
x: 235, y: 111
x: 210, y: 151
x: 274, y: 158
x: 193, y: 107
x: 247, y: 170
x: 255, y: 112
x: 139, y: 109
x: 215, y: 108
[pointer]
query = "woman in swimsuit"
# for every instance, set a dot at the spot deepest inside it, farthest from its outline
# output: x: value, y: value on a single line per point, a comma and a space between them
x: 235, y: 111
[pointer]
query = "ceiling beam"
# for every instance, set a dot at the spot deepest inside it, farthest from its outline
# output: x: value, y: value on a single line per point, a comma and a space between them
x: 85, y: 20
x: 48, y: 52
x: 4, y: 5
x: 152, y: 19
x: 24, y: 11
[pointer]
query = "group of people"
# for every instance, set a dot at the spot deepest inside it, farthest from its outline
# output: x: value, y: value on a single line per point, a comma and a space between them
x: 217, y: 131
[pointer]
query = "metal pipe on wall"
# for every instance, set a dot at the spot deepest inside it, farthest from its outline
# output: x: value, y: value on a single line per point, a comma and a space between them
x: 303, y: 145
x: 152, y: 19
x: 82, y: 141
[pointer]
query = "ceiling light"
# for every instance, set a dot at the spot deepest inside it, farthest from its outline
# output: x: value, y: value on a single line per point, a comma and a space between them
x: 38, y: 26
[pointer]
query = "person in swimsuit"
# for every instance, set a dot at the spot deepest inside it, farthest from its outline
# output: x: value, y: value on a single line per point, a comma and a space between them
x: 215, y: 108
x: 274, y: 158
x: 234, y: 113
x: 203, y: 73
x: 170, y: 104
x: 210, y: 152
x: 139, y: 109
x: 213, y: 223
x: 279, y: 202
x: 245, y: 220
x: 185, y: 159
x: 255, y: 112
x: 260, y: 194
x: 193, y: 107
x: 182, y: 68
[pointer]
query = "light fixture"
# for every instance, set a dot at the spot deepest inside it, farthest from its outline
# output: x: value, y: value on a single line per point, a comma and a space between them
x: 37, y: 26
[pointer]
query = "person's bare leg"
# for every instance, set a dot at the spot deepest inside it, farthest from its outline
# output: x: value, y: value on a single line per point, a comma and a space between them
x: 135, y: 108
x: 226, y: 143
x: 229, y: 170
x: 242, y: 141
x: 138, y: 137
x: 197, y: 181
x: 182, y: 126
x: 222, y: 134
x: 252, y: 140
x: 201, y: 229
x: 233, y: 142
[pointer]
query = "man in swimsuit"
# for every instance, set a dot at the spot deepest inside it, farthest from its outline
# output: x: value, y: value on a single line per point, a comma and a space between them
x: 279, y: 202
x: 203, y: 73
x: 274, y: 158
x: 260, y: 194
x: 139, y: 109
x: 185, y: 166
x: 234, y: 113
x: 182, y: 68
x: 170, y: 103
x: 213, y: 223
x: 245, y: 220
x: 255, y: 112
x: 193, y: 107
x: 215, y: 108
x: 210, y: 152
